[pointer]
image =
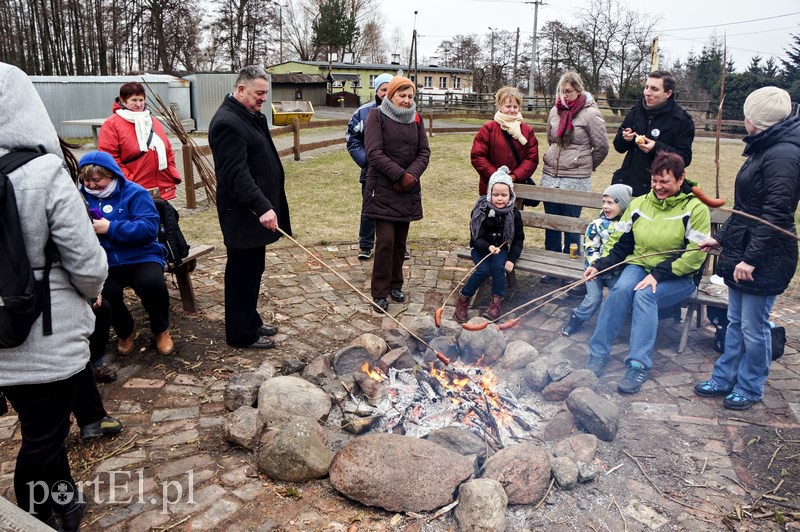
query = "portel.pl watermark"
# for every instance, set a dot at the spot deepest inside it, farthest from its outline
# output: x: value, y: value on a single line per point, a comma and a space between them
x: 120, y: 487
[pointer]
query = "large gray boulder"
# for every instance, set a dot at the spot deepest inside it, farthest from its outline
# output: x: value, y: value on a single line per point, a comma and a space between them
x: 597, y: 414
x: 517, y: 355
x: 481, y: 506
x: 398, y: 473
x: 374, y: 344
x: 281, y: 398
x: 524, y: 471
x: 485, y: 345
x: 296, y: 452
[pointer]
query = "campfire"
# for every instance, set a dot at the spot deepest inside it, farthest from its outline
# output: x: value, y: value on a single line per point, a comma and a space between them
x: 420, y: 400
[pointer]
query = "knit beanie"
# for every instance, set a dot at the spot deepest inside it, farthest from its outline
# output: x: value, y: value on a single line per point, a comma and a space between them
x: 767, y: 106
x: 621, y: 194
x: 501, y: 176
x: 396, y: 83
x: 380, y: 80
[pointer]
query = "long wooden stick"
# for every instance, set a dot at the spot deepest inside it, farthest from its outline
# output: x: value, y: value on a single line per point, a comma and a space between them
x: 719, y: 111
x: 441, y: 356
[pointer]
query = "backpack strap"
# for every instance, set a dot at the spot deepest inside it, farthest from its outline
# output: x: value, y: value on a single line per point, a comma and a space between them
x: 513, y: 148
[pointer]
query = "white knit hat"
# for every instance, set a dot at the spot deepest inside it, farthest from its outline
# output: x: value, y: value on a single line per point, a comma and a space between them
x: 767, y: 106
x: 501, y: 176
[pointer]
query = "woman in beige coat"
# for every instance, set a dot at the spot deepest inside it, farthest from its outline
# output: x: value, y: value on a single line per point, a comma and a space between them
x: 576, y: 133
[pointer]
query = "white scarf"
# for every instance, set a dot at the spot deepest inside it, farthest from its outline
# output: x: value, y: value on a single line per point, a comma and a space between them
x: 143, y: 124
x: 104, y: 193
x: 511, y: 124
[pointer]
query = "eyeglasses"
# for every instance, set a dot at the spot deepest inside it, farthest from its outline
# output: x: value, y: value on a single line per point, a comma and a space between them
x: 568, y: 92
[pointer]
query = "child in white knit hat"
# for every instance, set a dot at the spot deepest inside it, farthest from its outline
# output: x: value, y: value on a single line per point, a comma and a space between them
x: 495, y: 227
x: 615, y: 200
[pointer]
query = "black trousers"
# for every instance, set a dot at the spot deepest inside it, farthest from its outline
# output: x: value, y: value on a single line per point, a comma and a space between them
x: 88, y: 406
x: 43, y: 411
x: 99, y: 338
x: 390, y: 248
x: 243, y: 272
x: 147, y: 280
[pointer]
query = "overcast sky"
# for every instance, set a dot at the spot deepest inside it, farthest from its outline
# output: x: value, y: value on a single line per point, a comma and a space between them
x: 749, y: 30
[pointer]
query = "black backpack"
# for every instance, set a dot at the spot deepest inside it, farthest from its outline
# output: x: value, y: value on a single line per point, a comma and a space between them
x: 169, y: 232
x: 22, y: 297
x: 719, y: 319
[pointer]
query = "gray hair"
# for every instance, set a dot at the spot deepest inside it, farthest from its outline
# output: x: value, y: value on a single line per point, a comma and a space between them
x: 251, y: 73
x: 573, y: 78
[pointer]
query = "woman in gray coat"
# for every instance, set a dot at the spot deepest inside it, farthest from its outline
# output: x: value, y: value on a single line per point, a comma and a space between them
x: 576, y: 133
x: 40, y: 376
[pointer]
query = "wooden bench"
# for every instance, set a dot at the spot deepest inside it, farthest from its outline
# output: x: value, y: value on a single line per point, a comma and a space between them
x: 555, y: 264
x: 183, y: 275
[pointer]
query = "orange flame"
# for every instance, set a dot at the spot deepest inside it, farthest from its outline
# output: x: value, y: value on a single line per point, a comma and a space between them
x: 373, y: 373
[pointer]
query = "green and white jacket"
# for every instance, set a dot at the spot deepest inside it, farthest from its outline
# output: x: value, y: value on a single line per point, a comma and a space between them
x: 651, y: 225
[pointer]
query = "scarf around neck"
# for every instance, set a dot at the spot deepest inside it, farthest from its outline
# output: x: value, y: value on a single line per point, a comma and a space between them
x: 143, y: 125
x: 398, y: 114
x: 483, y: 209
x: 566, y: 113
x: 104, y: 193
x: 511, y: 125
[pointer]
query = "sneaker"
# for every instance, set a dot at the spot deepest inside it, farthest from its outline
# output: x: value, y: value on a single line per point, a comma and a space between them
x: 634, y: 378
x: 596, y: 365
x: 364, y: 253
x: 737, y: 401
x: 573, y: 325
x: 548, y: 279
x: 397, y: 295
x: 102, y: 427
x: 379, y: 304
x: 267, y: 330
x: 710, y: 388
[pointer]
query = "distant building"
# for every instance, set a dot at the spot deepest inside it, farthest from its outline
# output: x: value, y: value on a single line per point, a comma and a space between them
x: 299, y: 87
x: 350, y: 84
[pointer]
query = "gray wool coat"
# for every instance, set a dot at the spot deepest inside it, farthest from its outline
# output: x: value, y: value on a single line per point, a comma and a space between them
x: 49, y: 204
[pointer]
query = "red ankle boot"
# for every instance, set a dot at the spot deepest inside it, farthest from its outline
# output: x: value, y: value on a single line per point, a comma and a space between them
x: 495, y: 309
x: 461, y: 314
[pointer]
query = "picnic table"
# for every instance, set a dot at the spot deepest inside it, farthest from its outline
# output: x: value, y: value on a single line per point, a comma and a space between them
x: 94, y: 123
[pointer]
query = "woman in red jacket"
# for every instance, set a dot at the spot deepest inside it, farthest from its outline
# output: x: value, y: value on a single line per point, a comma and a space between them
x: 139, y: 143
x: 505, y: 141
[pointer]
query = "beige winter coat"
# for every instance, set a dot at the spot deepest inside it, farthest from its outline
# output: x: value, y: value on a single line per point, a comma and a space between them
x: 588, y: 148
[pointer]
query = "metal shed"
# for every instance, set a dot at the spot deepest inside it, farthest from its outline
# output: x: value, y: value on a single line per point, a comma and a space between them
x: 208, y: 91
x: 91, y: 97
x: 299, y: 87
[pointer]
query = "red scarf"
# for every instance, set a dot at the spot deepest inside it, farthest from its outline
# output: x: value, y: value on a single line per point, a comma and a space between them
x: 566, y: 113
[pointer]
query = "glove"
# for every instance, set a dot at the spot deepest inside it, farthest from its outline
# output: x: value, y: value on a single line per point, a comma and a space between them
x: 405, y: 183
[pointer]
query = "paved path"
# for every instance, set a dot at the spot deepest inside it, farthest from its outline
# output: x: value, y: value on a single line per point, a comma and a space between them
x: 173, y: 414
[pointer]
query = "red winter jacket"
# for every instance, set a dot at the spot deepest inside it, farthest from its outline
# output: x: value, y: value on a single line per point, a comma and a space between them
x: 490, y: 151
x: 118, y: 138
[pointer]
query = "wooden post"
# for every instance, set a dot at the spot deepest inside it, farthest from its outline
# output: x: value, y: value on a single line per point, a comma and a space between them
x: 430, y: 124
x: 296, y: 132
x: 188, y: 177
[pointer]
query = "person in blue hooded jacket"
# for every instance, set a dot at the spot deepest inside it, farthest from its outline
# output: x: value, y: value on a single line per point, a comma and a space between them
x: 125, y: 221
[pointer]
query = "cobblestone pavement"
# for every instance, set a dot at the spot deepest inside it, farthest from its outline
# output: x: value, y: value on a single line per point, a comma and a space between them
x: 179, y: 471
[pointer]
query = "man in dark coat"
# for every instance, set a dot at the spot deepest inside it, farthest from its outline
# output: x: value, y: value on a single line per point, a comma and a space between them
x: 654, y: 124
x: 251, y: 203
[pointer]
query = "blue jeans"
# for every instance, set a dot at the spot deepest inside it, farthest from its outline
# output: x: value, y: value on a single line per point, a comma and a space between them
x: 366, y: 230
x: 594, y: 297
x: 494, y: 266
x: 744, y: 366
x: 644, y: 316
x: 552, y: 239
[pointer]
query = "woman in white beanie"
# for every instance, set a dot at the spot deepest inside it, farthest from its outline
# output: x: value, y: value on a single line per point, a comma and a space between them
x: 757, y: 262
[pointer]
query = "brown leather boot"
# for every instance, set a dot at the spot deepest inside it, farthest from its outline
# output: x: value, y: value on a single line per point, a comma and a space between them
x: 125, y: 345
x: 461, y: 314
x: 495, y: 309
x: 164, y: 344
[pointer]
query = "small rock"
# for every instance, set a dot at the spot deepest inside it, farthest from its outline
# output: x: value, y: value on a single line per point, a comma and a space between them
x: 559, y: 426
x: 559, y: 390
x: 481, y: 506
x: 242, y: 390
x: 243, y: 427
x: 266, y: 371
x: 281, y: 398
x: 374, y: 391
x: 355, y: 424
x: 296, y: 452
x: 579, y: 448
x: 559, y: 369
x: 397, y: 338
x: 485, y: 346
x: 291, y: 366
x: 523, y: 469
x: 586, y: 472
x: 318, y: 369
x: 536, y: 375
x: 424, y: 327
x: 350, y: 359
x: 597, y: 414
x: 376, y: 345
x: 463, y: 441
x: 565, y: 471
x: 518, y: 355
x: 399, y: 358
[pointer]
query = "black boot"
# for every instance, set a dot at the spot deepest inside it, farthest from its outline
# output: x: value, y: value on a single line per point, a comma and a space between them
x: 71, y: 515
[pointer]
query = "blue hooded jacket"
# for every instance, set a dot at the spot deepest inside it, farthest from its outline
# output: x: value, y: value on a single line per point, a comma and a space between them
x: 132, y: 235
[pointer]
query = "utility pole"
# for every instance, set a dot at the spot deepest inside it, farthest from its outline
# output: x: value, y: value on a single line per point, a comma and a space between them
x: 491, y: 62
x: 531, y: 92
x: 412, y: 55
x: 280, y: 31
x: 516, y: 55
